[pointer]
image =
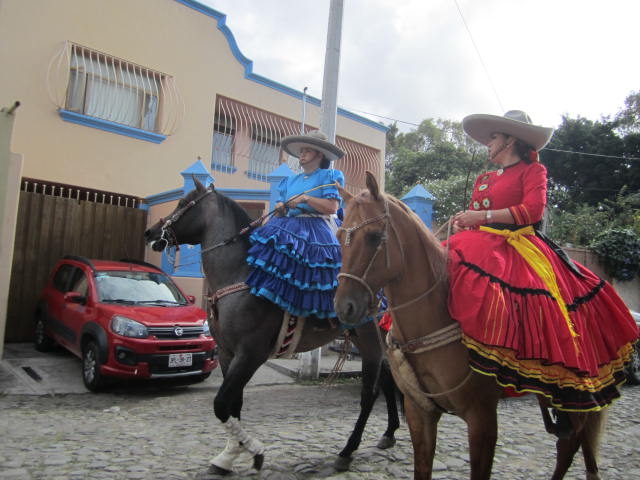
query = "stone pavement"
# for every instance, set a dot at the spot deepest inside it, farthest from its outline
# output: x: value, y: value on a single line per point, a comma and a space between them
x: 164, y: 432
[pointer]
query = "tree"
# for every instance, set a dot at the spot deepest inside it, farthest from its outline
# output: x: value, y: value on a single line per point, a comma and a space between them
x: 436, y: 150
x: 628, y: 119
x: 589, y: 178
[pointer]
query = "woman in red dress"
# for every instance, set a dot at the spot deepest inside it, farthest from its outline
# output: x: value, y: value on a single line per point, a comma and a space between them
x: 531, y: 317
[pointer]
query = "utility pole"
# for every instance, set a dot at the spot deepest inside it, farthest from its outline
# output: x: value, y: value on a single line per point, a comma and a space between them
x: 329, y: 105
x: 310, y: 361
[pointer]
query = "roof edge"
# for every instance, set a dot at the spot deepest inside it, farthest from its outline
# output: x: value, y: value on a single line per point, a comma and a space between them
x: 221, y: 20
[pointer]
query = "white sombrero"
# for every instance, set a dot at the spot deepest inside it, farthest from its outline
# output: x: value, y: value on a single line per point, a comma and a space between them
x: 515, y: 122
x: 315, y: 140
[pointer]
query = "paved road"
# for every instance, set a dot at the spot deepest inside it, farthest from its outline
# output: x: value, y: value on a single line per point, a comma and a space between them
x: 162, y: 433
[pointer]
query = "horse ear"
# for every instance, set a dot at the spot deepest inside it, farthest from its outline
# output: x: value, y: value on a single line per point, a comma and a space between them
x: 199, y: 186
x: 372, y: 185
x: 346, y: 196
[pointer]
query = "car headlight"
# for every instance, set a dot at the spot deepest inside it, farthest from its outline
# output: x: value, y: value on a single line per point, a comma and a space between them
x: 205, y: 329
x: 128, y: 328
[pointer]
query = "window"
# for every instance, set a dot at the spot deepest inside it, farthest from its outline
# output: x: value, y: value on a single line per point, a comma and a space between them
x: 265, y: 151
x: 222, y: 152
x: 111, y: 89
x: 79, y: 283
x: 62, y: 277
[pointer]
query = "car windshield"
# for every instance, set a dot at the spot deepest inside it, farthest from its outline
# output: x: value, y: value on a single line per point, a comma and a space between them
x: 147, y: 288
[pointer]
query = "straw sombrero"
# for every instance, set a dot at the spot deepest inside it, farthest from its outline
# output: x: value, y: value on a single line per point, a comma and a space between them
x: 515, y: 122
x: 316, y: 140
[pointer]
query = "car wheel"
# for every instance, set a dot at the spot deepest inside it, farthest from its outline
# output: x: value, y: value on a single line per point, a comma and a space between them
x: 41, y: 341
x: 91, y: 375
x: 633, y: 368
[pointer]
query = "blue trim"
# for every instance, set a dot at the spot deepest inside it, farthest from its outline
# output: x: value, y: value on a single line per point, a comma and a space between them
x: 165, y: 197
x: 221, y: 167
x: 234, y: 193
x: 257, y: 176
x: 248, y: 66
x: 243, y: 194
x: 112, y: 127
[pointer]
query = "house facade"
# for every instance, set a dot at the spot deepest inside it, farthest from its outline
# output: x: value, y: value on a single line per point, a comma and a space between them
x: 118, y: 99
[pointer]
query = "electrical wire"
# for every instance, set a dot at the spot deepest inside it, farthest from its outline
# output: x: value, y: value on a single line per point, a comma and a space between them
x: 486, y: 70
x: 618, y: 157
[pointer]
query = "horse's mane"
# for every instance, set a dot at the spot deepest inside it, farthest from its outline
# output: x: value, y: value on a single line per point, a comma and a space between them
x: 239, y: 214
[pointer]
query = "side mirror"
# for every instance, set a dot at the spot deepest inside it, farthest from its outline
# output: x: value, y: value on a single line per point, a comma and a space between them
x: 191, y: 299
x: 75, y: 297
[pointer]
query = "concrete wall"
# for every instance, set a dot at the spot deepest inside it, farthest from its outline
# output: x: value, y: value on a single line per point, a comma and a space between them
x: 629, y: 291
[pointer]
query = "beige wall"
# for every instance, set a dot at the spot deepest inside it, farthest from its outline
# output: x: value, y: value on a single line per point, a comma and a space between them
x: 163, y: 35
x: 10, y: 173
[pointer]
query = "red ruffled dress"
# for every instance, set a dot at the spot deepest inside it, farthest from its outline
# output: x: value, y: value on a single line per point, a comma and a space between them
x: 532, y: 320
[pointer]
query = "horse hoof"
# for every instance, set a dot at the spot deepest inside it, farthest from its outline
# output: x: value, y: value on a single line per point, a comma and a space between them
x: 216, y: 470
x: 342, y: 464
x: 258, y: 460
x: 386, y: 442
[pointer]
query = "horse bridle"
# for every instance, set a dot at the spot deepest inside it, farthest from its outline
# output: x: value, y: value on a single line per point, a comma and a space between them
x: 166, y: 232
x: 373, y: 303
x: 386, y: 218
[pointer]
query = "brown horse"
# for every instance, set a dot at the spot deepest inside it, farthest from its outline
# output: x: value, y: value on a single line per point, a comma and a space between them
x: 386, y: 245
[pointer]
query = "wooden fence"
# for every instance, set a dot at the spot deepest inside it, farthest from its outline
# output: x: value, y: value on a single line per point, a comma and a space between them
x: 49, y: 226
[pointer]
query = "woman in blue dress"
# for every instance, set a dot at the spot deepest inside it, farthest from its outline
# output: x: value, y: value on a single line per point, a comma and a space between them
x: 296, y: 256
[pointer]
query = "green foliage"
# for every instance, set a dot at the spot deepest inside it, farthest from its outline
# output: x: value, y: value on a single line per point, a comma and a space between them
x: 619, y: 251
x: 579, y: 227
x: 590, y: 179
x: 628, y: 119
x: 436, y: 150
x: 451, y: 196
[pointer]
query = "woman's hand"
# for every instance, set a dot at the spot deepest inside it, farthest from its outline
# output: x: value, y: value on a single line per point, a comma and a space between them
x: 281, y: 210
x: 294, y: 202
x: 468, y: 219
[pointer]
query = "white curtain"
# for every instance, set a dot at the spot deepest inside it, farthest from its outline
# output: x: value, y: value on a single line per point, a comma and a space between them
x: 102, y: 87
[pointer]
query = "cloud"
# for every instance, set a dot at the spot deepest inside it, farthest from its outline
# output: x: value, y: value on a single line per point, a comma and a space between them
x: 411, y: 59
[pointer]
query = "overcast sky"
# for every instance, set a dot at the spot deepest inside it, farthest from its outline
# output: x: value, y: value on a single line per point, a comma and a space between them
x: 414, y: 59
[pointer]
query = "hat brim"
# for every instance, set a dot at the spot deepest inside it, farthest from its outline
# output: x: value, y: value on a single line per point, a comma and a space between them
x: 480, y: 127
x: 294, y: 144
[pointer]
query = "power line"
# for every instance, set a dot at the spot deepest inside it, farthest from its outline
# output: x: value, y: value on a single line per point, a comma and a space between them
x: 601, y: 155
x: 486, y: 71
x: 380, y: 116
x: 619, y: 157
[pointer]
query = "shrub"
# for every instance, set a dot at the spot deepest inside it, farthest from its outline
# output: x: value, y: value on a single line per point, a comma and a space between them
x: 619, y: 251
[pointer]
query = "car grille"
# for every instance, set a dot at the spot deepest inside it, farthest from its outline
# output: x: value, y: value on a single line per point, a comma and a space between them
x: 169, y: 333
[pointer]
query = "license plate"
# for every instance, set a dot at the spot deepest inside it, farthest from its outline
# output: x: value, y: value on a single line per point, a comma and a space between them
x: 180, y: 360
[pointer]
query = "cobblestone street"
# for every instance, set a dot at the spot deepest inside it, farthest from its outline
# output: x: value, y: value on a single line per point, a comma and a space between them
x: 152, y: 433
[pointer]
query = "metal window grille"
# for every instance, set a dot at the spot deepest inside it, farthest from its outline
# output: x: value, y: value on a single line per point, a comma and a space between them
x: 92, y: 83
x: 222, y: 150
x: 255, y: 135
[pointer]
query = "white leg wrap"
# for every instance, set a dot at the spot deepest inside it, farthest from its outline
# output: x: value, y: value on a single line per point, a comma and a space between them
x: 226, y: 458
x: 234, y: 429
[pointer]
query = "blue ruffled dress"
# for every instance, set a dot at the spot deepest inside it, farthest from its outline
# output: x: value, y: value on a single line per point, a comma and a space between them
x: 296, y: 258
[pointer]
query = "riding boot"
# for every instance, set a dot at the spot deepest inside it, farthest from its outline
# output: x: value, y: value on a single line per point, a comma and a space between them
x: 563, y: 427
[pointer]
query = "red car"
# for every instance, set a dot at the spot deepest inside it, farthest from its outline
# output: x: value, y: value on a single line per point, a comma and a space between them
x: 123, y: 319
